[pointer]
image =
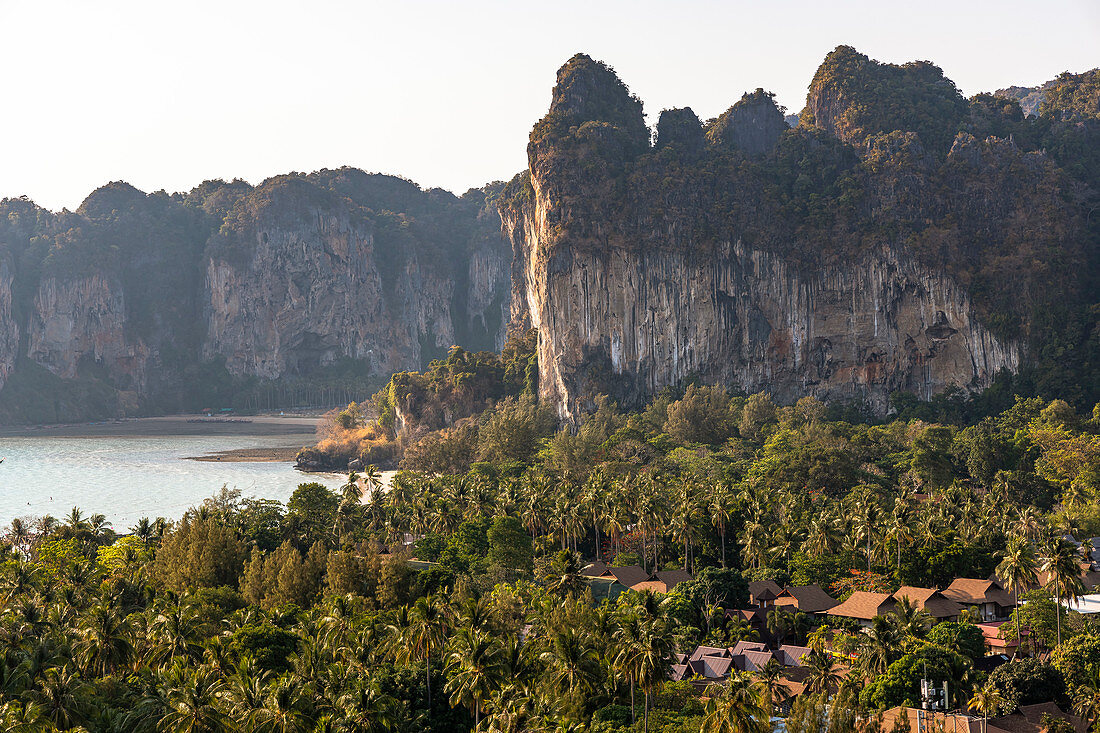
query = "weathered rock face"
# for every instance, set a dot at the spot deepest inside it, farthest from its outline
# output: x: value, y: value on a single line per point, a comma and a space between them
x: 9, y: 325
x: 647, y: 269
x: 288, y: 295
x: 628, y: 324
x: 138, y: 303
x: 84, y: 319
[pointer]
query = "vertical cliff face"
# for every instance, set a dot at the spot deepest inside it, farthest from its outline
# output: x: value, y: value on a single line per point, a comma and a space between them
x: 643, y: 269
x: 628, y: 324
x: 9, y: 324
x: 83, y: 320
x: 145, y: 303
x: 301, y: 279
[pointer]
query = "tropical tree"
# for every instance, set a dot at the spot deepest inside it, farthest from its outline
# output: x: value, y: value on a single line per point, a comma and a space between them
x: 1017, y: 571
x: 736, y: 707
x: 1059, y: 562
x: 988, y: 701
x: 475, y: 669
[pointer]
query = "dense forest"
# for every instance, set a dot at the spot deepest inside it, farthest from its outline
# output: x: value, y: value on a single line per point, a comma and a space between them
x: 456, y: 599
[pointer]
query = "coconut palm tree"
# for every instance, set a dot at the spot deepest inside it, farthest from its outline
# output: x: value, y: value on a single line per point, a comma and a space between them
x: 820, y: 537
x: 774, y: 687
x: 424, y: 633
x: 988, y: 702
x: 572, y: 664
x: 1059, y: 562
x: 103, y: 643
x: 649, y: 659
x: 192, y: 701
x: 754, y: 543
x: 737, y: 706
x: 821, y: 673
x: 475, y: 669
x: 719, y: 508
x: 1017, y: 571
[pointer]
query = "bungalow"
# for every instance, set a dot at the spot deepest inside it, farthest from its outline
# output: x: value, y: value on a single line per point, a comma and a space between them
x: 806, y: 598
x: 763, y: 592
x: 987, y: 597
x: 635, y: 577
x: 790, y: 655
x: 931, y: 601
x: 863, y: 606
x: 995, y: 641
x: 629, y: 575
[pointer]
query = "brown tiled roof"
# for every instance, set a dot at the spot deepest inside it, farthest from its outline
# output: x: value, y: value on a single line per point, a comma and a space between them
x: 764, y: 589
x: 864, y: 605
x: 679, y: 672
x: 672, y: 578
x: 1028, y: 719
x: 655, y: 586
x: 630, y: 575
x: 930, y: 600
x: 808, y: 598
x: 974, y: 591
x: 594, y: 570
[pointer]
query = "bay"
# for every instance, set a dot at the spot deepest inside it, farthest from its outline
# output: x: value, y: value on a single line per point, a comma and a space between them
x: 129, y: 477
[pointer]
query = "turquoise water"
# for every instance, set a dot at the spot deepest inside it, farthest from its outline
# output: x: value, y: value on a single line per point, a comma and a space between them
x: 126, y: 478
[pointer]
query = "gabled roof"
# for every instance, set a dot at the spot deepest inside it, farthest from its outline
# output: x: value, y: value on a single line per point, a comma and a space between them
x: 1028, y: 719
x: 790, y: 655
x: 864, y: 605
x: 708, y: 651
x: 764, y: 590
x: 672, y: 578
x: 712, y: 667
x: 746, y: 646
x: 679, y: 672
x: 755, y: 661
x: 594, y: 570
x: 654, y: 586
x: 808, y: 598
x: 929, y: 600
x: 973, y: 591
x: 630, y: 575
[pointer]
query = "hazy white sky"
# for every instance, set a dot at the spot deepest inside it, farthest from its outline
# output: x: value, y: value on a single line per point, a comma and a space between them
x: 167, y: 94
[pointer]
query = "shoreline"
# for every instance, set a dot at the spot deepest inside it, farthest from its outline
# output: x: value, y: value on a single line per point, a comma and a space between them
x: 277, y: 454
x: 183, y: 425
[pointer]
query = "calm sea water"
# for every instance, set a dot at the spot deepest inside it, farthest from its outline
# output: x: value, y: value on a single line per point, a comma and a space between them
x: 126, y: 478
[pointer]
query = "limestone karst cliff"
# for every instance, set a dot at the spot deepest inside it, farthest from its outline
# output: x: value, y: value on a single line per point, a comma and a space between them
x: 141, y: 303
x: 877, y: 247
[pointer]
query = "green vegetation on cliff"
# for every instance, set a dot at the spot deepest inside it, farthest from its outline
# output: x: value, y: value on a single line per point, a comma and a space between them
x: 885, y: 157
